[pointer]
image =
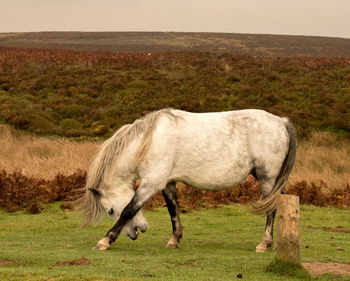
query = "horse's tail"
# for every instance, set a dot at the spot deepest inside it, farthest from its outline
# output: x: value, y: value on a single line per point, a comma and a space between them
x: 268, y: 204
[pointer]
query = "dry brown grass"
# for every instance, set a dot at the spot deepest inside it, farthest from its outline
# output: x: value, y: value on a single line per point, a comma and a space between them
x: 323, y: 158
x: 43, y: 157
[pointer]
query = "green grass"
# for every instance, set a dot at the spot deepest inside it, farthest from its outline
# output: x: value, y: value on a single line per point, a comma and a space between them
x: 218, y: 244
x: 288, y: 269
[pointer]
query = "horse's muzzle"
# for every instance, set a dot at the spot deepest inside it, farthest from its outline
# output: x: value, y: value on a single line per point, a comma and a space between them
x: 143, y: 227
x: 133, y: 234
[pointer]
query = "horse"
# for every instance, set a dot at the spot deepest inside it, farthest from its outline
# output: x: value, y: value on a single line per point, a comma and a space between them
x: 209, y: 151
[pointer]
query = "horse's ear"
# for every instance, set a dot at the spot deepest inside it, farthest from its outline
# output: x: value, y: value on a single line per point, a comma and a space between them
x: 95, y: 192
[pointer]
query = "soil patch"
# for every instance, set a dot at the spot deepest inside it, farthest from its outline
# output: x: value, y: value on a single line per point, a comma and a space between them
x: 319, y: 268
x: 337, y: 229
x: 6, y: 262
x: 81, y: 261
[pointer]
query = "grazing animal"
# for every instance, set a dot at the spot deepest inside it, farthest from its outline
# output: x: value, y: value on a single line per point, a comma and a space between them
x: 209, y: 151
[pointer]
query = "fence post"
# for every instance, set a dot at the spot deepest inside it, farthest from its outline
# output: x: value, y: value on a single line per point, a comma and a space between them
x: 288, y: 228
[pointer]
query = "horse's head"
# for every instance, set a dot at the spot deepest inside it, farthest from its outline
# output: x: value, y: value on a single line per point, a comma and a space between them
x: 114, y: 204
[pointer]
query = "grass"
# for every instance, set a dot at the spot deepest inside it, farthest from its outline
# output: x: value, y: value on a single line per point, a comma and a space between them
x: 41, y: 157
x: 323, y: 159
x: 218, y: 244
x: 288, y: 269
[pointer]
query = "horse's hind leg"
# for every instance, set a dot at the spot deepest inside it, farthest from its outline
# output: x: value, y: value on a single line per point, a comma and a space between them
x: 268, y: 235
x: 266, y: 184
x: 170, y: 196
x: 267, y: 240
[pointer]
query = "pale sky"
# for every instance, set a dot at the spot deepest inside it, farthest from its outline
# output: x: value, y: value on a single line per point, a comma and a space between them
x: 296, y: 17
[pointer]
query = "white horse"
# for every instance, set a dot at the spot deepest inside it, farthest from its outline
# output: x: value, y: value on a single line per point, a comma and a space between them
x: 209, y: 151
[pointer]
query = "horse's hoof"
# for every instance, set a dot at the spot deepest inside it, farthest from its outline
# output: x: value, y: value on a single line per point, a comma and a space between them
x: 102, y: 245
x: 173, y: 243
x: 172, y: 246
x: 260, y: 249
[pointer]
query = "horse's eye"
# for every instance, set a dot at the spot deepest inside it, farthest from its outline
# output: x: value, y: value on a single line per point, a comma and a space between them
x: 111, y: 211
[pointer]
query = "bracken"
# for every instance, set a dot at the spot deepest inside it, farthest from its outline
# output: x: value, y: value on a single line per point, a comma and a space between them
x: 18, y: 191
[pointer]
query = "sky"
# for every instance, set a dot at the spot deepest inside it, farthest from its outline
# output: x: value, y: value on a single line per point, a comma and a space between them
x: 293, y: 17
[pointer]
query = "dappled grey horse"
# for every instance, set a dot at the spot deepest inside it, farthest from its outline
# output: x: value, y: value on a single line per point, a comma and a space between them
x: 209, y: 151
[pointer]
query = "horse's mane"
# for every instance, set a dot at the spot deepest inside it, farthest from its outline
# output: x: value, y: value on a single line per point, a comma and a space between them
x: 103, y: 167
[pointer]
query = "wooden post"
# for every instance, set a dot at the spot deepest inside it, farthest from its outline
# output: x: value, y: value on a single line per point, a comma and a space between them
x: 288, y: 228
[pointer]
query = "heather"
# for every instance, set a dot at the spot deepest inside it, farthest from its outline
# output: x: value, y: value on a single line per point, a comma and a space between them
x: 91, y: 94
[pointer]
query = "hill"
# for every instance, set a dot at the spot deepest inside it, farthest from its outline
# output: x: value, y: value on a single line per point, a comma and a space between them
x: 160, y: 42
x: 92, y: 93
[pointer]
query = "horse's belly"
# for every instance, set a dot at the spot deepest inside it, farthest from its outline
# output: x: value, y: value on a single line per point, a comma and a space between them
x: 212, y: 175
x: 211, y: 184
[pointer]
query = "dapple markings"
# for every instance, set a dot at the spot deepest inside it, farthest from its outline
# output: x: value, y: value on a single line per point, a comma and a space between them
x: 209, y: 151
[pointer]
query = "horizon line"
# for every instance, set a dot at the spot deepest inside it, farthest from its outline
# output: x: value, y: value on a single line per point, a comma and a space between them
x: 159, y: 31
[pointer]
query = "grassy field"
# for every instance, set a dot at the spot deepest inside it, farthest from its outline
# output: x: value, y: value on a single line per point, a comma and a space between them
x: 218, y: 244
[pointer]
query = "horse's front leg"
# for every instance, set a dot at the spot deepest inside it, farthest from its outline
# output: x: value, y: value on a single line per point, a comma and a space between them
x: 142, y: 195
x: 268, y: 235
x: 170, y: 197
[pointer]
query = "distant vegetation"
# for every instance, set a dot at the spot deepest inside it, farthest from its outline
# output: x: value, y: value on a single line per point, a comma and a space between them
x: 87, y: 93
x: 160, y: 42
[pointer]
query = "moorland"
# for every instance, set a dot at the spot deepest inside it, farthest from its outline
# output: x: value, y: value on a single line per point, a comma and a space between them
x: 92, y: 93
x: 62, y: 94
x: 161, y: 42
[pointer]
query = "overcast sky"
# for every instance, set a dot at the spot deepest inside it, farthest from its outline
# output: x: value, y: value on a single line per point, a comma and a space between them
x: 297, y: 17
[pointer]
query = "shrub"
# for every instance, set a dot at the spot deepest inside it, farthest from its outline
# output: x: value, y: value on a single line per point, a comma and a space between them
x: 40, y: 125
x: 2, y: 92
x: 15, y: 116
x: 4, y: 87
x: 70, y: 124
x: 72, y: 128
x: 20, y: 122
x: 71, y: 111
x: 99, y: 128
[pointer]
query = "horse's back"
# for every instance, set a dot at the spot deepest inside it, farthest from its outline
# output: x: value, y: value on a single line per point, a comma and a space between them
x: 250, y: 125
x: 218, y: 150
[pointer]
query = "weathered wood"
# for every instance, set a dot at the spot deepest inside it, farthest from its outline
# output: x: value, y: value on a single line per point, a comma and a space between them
x: 288, y: 228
